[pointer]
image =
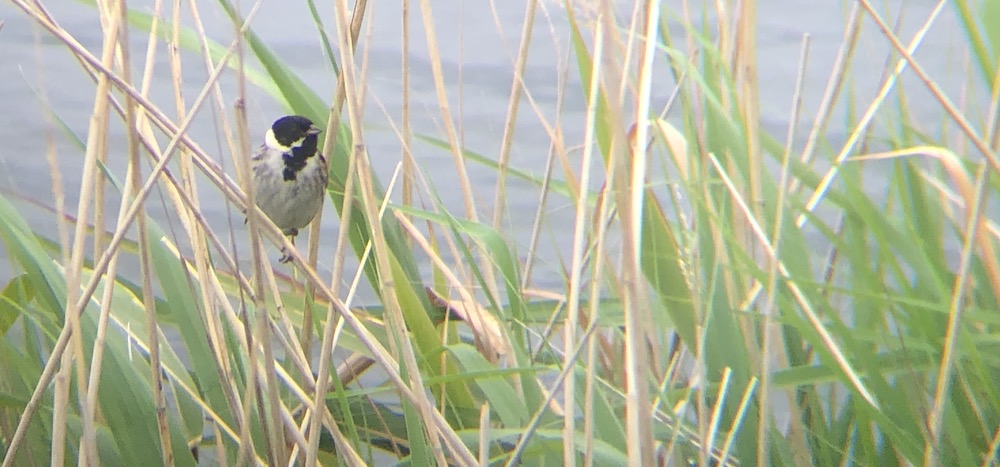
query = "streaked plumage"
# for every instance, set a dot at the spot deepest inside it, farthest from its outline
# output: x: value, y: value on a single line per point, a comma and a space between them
x: 290, y: 174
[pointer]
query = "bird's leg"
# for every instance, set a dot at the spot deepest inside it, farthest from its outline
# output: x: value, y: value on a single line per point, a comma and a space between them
x: 287, y: 256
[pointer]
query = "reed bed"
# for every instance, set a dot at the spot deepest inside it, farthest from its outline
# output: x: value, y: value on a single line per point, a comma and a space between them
x: 694, y: 321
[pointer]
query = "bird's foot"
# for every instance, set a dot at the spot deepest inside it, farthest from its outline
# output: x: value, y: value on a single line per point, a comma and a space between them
x: 286, y: 255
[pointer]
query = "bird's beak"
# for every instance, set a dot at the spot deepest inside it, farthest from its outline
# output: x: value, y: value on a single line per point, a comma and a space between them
x: 314, y: 130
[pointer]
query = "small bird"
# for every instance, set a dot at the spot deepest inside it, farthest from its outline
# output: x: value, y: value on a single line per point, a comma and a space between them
x: 290, y: 175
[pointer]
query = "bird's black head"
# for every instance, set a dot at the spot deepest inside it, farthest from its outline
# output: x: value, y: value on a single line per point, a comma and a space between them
x: 292, y: 129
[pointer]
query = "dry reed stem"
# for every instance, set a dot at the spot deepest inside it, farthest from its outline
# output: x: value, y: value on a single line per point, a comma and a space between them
x: 108, y: 259
x: 854, y: 137
x: 513, y: 103
x: 800, y: 298
x: 455, y: 145
x: 627, y: 163
x: 722, y: 455
x: 95, y: 146
x: 867, y: 118
x: 576, y: 256
x: 156, y: 369
x: 974, y: 233
x: 630, y: 198
x: 333, y: 126
x: 409, y: 166
x: 745, y: 74
x: 333, y: 119
x: 329, y: 144
x: 333, y: 326
x: 436, y: 425
x: 204, y: 163
x: 88, y: 438
x: 437, y: 429
x: 765, y: 419
x: 105, y: 259
x: 197, y: 231
x: 449, y: 123
x: 966, y: 189
x: 550, y: 402
x: 601, y: 221
x: 557, y: 146
x: 61, y: 385
x: 485, y: 326
x: 133, y: 121
x: 907, y: 56
x: 955, y: 199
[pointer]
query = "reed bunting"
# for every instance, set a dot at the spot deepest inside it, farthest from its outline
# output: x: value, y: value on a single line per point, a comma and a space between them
x: 290, y: 175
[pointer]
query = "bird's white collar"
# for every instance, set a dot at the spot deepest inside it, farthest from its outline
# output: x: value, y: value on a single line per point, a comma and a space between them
x: 273, y: 143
